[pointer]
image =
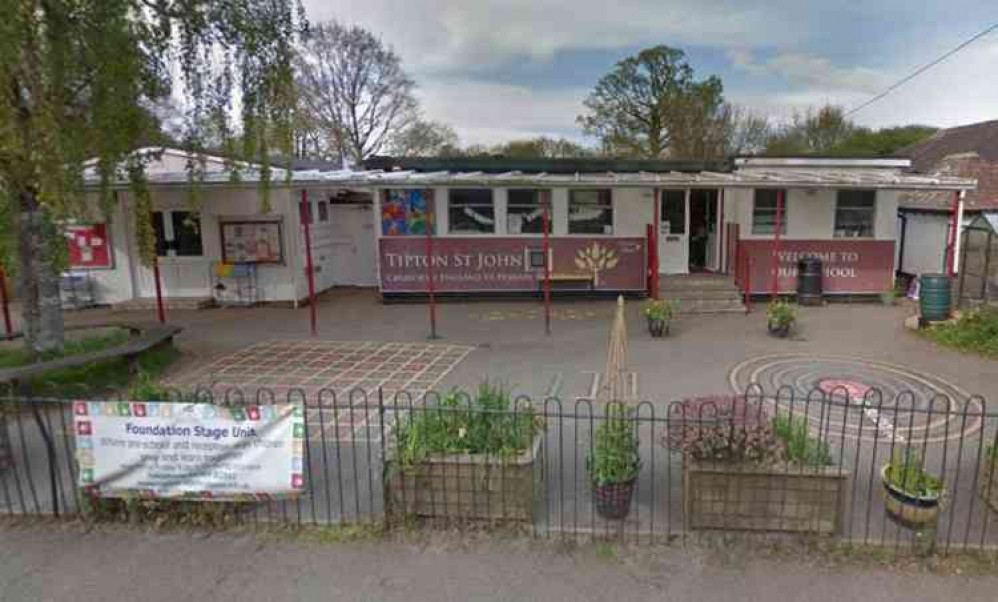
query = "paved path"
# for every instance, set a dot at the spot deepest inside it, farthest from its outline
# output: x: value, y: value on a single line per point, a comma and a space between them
x: 63, y: 563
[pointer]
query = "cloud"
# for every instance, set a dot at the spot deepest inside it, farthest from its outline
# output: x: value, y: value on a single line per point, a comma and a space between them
x: 813, y: 72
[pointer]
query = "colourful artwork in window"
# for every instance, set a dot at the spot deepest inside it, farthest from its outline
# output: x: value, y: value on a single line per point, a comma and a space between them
x: 404, y: 212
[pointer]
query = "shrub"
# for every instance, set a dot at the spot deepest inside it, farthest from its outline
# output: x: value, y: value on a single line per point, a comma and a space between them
x: 975, y: 331
x: 661, y: 309
x: 906, y: 472
x: 780, y: 313
x: 489, y: 423
x: 802, y: 448
x: 615, y: 458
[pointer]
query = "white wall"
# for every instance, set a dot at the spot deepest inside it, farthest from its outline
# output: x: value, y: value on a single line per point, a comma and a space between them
x: 111, y: 285
x: 924, y: 243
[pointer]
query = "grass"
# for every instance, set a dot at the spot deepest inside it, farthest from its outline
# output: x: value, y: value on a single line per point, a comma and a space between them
x: 975, y: 332
x: 94, y: 378
x: 802, y: 448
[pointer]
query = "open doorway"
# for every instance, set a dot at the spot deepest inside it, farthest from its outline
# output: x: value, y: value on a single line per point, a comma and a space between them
x: 704, y: 239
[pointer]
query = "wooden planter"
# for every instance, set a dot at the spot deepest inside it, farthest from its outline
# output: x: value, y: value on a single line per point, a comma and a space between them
x: 468, y: 486
x: 988, y: 482
x: 907, y: 509
x: 739, y: 497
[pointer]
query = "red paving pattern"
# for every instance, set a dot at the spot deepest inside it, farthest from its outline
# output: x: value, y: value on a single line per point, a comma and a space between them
x: 354, y: 370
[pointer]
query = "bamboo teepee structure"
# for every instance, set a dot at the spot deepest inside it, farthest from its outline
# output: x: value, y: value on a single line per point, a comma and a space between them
x: 615, y: 387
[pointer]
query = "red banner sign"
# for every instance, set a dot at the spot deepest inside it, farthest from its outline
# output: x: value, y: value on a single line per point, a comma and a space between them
x: 848, y: 266
x: 89, y: 246
x: 511, y: 264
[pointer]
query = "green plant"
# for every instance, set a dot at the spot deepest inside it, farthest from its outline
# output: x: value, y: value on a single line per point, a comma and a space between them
x: 659, y: 309
x: 615, y: 458
x: 728, y: 428
x: 147, y: 388
x: 780, y: 313
x: 801, y: 447
x: 489, y: 423
x: 975, y: 331
x: 889, y: 297
x: 906, y: 472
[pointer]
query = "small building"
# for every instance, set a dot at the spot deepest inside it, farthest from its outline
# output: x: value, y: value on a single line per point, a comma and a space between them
x: 477, y: 226
x: 927, y: 240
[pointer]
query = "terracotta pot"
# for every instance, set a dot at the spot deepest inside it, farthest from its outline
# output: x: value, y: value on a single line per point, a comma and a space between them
x: 658, y: 328
x: 613, y: 500
x: 907, y: 509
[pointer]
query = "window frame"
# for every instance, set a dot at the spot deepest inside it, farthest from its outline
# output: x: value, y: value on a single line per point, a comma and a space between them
x: 466, y: 205
x: 611, y: 206
x: 755, y: 226
x: 165, y: 233
x: 861, y: 195
x: 538, y: 204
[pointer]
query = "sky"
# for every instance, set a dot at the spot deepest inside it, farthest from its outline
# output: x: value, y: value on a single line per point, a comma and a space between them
x: 502, y: 69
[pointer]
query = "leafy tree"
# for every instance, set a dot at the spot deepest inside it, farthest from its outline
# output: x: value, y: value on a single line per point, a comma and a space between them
x: 543, y: 147
x: 423, y: 138
x: 650, y: 106
x: 356, y: 89
x: 79, y: 80
x: 885, y: 141
x: 815, y: 131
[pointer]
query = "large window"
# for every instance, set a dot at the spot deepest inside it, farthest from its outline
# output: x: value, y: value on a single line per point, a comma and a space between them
x: 524, y: 212
x: 765, y: 210
x: 405, y: 212
x: 178, y: 233
x: 855, y: 212
x: 471, y: 211
x: 590, y: 212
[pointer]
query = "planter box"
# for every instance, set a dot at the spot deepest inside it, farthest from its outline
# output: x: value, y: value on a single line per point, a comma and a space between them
x: 988, y: 482
x: 468, y: 486
x: 752, y: 498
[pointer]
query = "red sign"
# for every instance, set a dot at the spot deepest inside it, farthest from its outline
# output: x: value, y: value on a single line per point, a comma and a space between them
x: 848, y: 266
x: 89, y: 246
x: 511, y: 264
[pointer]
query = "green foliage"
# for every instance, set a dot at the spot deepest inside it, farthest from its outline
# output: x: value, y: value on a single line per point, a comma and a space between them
x: 488, y: 423
x: 827, y: 131
x: 976, y: 331
x: 652, y: 106
x: 661, y: 309
x: 882, y: 142
x: 614, y: 458
x: 906, y: 472
x: 781, y: 313
x: 801, y: 448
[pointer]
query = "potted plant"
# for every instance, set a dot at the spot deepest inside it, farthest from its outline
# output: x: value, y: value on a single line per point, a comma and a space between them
x: 889, y: 297
x: 659, y: 313
x: 781, y: 317
x: 614, y: 462
x: 988, y: 477
x: 913, y: 495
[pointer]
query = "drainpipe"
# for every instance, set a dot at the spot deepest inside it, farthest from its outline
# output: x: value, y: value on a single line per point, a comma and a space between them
x: 954, y: 244
x: 904, y: 233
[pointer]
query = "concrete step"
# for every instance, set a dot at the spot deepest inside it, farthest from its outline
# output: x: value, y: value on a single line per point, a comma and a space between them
x: 149, y: 303
x: 710, y: 306
x: 695, y: 282
x: 732, y: 294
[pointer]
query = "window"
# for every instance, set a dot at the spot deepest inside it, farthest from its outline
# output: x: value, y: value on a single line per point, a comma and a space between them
x: 764, y: 212
x: 323, y: 211
x: 855, y: 211
x: 471, y: 211
x: 673, y: 212
x: 590, y: 212
x: 524, y: 212
x: 404, y: 212
x: 178, y: 233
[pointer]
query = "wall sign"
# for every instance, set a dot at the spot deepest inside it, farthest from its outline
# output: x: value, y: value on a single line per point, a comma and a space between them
x: 509, y: 264
x: 252, y: 242
x: 848, y: 266
x: 89, y: 246
x: 191, y: 451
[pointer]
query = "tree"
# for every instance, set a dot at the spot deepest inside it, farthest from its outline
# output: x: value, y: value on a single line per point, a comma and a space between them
x: 423, y: 138
x: 79, y: 80
x: 543, y: 147
x: 356, y: 89
x: 883, y: 142
x: 815, y: 131
x: 651, y: 106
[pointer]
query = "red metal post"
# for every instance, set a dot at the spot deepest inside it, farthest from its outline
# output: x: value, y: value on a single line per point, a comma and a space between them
x: 8, y: 324
x: 306, y: 217
x: 951, y: 237
x: 656, y: 228
x: 774, y: 287
x: 722, y: 242
x: 546, y: 200
x: 430, y: 287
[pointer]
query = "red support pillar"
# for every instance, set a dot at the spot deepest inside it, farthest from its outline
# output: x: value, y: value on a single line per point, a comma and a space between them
x: 775, y: 283
x: 656, y: 228
x: 306, y: 217
x: 722, y: 241
x: 546, y: 201
x: 431, y: 210
x: 952, y: 236
x: 7, y: 322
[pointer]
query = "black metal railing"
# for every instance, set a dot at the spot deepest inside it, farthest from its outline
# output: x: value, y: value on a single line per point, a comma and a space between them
x: 780, y: 462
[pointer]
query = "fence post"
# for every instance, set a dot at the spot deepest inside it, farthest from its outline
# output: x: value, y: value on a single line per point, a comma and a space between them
x: 25, y: 392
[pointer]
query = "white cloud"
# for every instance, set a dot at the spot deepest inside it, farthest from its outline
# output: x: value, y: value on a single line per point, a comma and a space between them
x: 815, y: 73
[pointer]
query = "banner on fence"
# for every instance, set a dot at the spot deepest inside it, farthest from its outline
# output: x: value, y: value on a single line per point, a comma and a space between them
x: 190, y: 451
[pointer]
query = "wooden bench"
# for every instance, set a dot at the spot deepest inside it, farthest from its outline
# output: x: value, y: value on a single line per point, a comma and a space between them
x: 143, y: 338
x: 557, y: 279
